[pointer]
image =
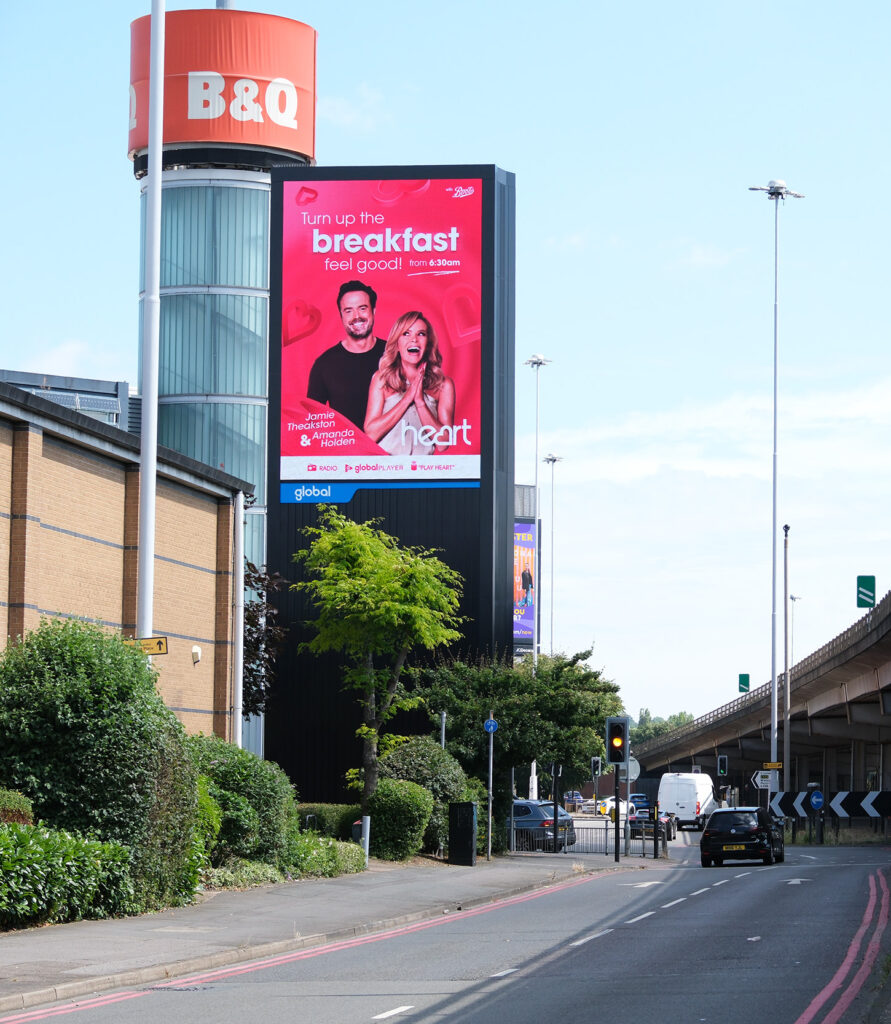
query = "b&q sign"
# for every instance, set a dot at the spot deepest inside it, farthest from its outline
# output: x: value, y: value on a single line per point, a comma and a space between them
x: 230, y: 77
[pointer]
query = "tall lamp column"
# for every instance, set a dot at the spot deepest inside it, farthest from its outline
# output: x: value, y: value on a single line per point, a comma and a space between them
x: 776, y: 190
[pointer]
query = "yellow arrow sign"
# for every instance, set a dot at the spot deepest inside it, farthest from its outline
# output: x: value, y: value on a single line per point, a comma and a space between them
x: 150, y: 644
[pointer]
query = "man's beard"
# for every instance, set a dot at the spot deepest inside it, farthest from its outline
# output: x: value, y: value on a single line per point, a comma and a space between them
x: 360, y: 333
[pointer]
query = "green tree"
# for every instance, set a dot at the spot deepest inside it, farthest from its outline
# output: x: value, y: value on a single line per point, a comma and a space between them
x: 263, y: 637
x: 555, y: 714
x: 648, y: 728
x: 377, y: 602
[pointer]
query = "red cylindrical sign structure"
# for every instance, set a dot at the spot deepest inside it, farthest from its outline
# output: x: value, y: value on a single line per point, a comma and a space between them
x: 231, y: 78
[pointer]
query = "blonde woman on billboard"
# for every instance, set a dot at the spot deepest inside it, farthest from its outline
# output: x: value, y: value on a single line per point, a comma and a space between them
x: 411, y: 402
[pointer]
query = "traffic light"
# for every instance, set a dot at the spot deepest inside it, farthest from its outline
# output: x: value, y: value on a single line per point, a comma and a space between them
x: 617, y: 740
x: 596, y: 767
x: 722, y: 764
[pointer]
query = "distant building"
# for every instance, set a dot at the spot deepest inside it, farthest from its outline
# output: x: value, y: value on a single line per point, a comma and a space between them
x: 104, y: 400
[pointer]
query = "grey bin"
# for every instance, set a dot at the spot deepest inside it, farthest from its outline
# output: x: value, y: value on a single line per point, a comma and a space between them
x: 462, y: 833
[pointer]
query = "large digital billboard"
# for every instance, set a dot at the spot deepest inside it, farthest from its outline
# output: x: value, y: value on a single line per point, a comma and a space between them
x: 524, y: 597
x: 381, y: 332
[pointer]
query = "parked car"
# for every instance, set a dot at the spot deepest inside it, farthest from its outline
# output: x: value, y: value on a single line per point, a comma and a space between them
x: 573, y: 797
x: 534, y: 826
x: 741, y: 833
x: 639, y: 819
x: 641, y: 802
x: 606, y: 807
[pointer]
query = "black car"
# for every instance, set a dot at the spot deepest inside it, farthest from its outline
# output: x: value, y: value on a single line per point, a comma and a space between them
x: 741, y: 833
x: 534, y: 826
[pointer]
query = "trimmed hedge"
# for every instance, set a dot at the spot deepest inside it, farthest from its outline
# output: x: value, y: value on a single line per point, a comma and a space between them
x: 48, y: 876
x: 87, y: 738
x: 261, y: 783
x: 399, y: 813
x: 422, y: 760
x: 15, y: 807
x: 335, y: 820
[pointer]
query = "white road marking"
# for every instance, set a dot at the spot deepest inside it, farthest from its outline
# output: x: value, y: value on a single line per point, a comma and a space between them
x: 796, y: 881
x: 698, y: 891
x: 673, y: 903
x: 504, y: 974
x: 639, y: 885
x: 392, y: 1013
x: 754, y: 938
x: 634, y: 920
x: 742, y: 874
x: 723, y: 881
x: 587, y: 938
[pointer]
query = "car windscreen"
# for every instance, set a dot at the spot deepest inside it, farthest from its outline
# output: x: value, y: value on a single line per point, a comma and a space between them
x: 727, y: 822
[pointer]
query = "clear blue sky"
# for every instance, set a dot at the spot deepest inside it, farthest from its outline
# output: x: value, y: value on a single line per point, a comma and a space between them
x: 644, y: 272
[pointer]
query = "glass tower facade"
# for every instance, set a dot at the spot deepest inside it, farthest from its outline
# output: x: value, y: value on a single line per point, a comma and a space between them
x: 212, y: 387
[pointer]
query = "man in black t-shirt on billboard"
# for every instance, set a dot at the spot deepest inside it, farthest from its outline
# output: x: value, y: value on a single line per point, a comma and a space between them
x: 341, y: 375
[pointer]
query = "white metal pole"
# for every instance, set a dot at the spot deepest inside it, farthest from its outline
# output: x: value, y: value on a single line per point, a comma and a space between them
x: 787, y: 689
x: 148, y: 462
x: 238, y: 619
x: 773, y: 578
x: 537, y: 545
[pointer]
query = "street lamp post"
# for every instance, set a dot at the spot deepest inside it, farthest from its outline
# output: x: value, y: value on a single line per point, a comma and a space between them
x: 776, y: 190
x: 536, y: 362
x: 551, y: 459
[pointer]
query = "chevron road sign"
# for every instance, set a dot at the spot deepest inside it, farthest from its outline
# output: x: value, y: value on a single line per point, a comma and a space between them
x: 844, y: 804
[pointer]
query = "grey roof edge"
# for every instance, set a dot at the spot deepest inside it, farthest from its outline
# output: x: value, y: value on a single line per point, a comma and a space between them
x: 26, y: 407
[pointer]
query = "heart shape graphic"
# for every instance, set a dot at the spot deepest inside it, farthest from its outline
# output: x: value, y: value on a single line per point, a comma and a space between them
x: 301, y: 320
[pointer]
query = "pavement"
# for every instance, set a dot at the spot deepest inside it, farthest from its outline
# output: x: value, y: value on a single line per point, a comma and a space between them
x: 67, y: 961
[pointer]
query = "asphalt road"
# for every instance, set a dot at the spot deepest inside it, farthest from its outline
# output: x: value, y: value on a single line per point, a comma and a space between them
x: 799, y: 942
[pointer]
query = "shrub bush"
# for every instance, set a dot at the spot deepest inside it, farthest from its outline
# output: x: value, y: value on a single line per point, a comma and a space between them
x: 239, y: 833
x: 15, y: 807
x: 88, y: 739
x: 399, y: 813
x: 422, y: 760
x: 210, y: 818
x: 335, y: 820
x: 50, y: 876
x: 238, y: 873
x: 262, y: 783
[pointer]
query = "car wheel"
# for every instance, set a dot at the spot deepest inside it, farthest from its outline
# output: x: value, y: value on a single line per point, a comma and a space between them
x: 768, y: 857
x: 781, y: 856
x: 706, y: 862
x: 719, y: 862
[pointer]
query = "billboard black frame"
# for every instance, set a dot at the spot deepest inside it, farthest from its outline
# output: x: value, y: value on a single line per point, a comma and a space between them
x: 311, y: 722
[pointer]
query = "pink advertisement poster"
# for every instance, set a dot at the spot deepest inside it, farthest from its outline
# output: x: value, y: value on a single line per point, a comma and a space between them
x: 381, y: 330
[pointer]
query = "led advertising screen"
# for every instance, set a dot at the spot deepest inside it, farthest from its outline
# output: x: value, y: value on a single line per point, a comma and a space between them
x: 381, y: 332
x: 524, y: 582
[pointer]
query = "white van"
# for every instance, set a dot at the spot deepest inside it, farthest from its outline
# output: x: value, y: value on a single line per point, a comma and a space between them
x: 690, y: 796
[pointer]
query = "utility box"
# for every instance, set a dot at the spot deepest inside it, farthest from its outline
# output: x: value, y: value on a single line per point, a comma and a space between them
x: 462, y: 833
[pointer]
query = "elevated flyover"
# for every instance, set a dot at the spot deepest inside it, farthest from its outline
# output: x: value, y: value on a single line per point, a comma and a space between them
x: 840, y: 720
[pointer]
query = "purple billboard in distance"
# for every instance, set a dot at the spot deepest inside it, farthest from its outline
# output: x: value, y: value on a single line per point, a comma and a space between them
x: 524, y: 582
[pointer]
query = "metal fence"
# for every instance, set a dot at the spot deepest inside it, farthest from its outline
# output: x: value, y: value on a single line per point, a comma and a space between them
x: 593, y: 837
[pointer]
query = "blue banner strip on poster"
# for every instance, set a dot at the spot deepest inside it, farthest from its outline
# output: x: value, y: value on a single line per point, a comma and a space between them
x: 339, y: 494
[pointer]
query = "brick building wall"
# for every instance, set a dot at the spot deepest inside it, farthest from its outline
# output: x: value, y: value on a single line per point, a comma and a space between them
x: 69, y: 528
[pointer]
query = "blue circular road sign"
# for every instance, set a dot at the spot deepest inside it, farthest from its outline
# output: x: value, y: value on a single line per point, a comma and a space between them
x: 490, y: 725
x: 816, y: 799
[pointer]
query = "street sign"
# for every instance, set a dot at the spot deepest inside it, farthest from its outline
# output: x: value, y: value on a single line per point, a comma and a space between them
x: 149, y: 644
x: 630, y: 772
x: 866, y: 591
x: 772, y: 765
x: 744, y: 682
x: 490, y: 725
x: 816, y: 799
x: 844, y: 804
x: 761, y: 780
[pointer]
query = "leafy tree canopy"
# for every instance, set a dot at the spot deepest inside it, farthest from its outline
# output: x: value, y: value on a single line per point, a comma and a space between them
x: 555, y: 714
x: 648, y: 728
x: 263, y: 638
x: 377, y: 602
